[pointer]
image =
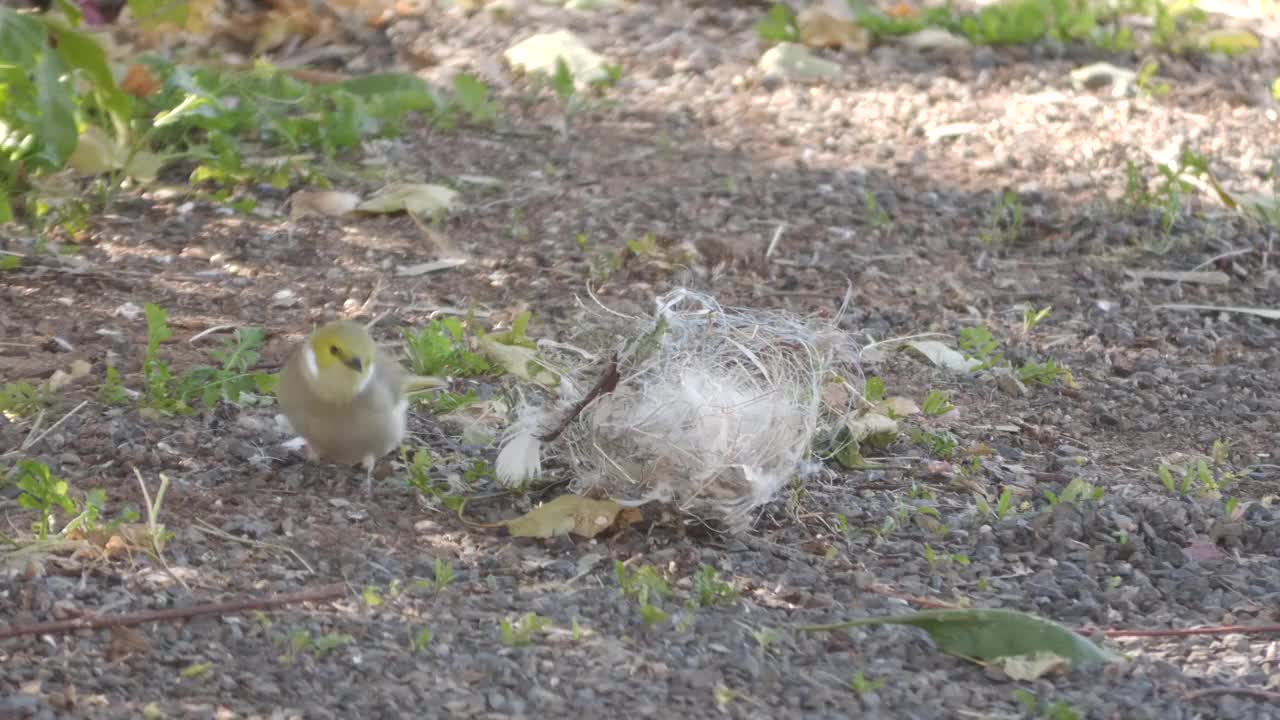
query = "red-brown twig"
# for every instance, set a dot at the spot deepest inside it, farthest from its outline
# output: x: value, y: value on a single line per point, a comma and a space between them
x: 325, y: 592
x: 913, y: 599
x: 1255, y: 693
x: 1178, y: 632
x: 607, y: 384
x: 881, y: 589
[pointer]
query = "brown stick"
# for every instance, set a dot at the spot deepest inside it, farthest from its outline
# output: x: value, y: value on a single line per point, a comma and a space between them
x: 1178, y: 632
x: 91, y: 622
x: 607, y: 384
x: 1254, y: 693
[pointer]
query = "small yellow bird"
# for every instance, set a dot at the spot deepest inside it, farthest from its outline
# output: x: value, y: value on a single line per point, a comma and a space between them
x: 345, y: 396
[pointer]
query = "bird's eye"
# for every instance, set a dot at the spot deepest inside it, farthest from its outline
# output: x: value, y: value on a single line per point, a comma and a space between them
x: 334, y: 349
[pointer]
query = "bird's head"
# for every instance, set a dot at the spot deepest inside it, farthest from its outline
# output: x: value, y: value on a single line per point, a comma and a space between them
x: 338, y: 360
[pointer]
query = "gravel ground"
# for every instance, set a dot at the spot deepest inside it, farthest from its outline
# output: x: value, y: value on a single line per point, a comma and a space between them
x: 711, y: 159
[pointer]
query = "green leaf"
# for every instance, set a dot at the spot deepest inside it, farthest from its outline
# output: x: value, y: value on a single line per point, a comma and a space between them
x: 379, y: 84
x: 985, y: 634
x: 57, y: 126
x: 21, y: 38
x: 566, y: 514
x: 779, y: 25
x: 83, y: 53
x: 191, y: 105
x: 151, y: 13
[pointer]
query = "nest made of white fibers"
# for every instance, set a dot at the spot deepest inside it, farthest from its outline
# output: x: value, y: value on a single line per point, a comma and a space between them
x: 712, y: 409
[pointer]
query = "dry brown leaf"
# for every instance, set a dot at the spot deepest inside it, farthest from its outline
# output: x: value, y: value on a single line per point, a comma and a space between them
x: 902, y: 10
x: 897, y: 406
x: 823, y: 26
x: 62, y: 378
x: 139, y: 81
x: 126, y: 641
x: 305, y: 203
x: 566, y: 514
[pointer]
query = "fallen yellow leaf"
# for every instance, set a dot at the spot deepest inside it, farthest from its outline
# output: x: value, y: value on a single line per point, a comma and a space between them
x: 566, y: 514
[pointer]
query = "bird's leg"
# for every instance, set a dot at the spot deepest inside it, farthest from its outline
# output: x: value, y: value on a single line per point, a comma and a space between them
x: 368, y: 463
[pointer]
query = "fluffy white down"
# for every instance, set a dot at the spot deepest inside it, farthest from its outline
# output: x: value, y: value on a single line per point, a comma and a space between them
x: 521, y: 456
x: 700, y: 436
x: 716, y: 409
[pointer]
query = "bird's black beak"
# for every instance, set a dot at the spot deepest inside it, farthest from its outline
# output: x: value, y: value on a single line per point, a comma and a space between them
x: 354, y: 363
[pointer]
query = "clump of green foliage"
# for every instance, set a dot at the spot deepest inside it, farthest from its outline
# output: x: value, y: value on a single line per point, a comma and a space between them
x: 61, y: 107
x: 44, y: 493
x: 981, y: 346
x: 232, y: 380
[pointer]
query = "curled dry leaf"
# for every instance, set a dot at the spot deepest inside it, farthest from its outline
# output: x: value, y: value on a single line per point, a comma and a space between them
x: 935, y: 40
x: 61, y: 378
x: 1033, y: 666
x: 943, y: 356
x: 540, y: 53
x: 518, y: 360
x: 416, y: 198
x: 566, y: 514
x: 97, y: 153
x: 832, y: 25
x: 898, y: 406
x: 429, y: 267
x: 305, y: 203
x: 139, y: 81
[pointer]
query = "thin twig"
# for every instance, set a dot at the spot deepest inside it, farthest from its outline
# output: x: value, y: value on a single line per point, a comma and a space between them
x: 607, y: 384
x: 888, y: 592
x: 773, y: 242
x: 209, y: 331
x: 1255, y: 693
x: 153, y: 525
x: 1223, y: 256
x: 30, y: 442
x: 217, y: 532
x: 93, y: 622
x: 1180, y: 632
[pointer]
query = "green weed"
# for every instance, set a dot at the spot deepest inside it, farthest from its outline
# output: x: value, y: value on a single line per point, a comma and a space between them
x: 22, y: 399
x: 1208, y: 476
x: 647, y: 587
x: 873, y: 389
x: 233, y: 379
x: 1147, y: 83
x: 160, y: 391
x: 42, y: 491
x: 876, y: 215
x: 709, y: 590
x: 112, y: 391
x: 442, y: 348
x: 418, y: 641
x: 521, y: 632
x: 979, y: 344
x: 1005, y: 223
x: 862, y: 685
x: 1077, y: 491
x: 779, y: 25
x: 939, y: 443
x: 936, y: 404
x: 1032, y: 317
x: 1045, y: 373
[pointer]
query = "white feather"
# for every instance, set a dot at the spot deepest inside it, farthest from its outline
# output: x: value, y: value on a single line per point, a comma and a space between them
x: 519, y: 460
x: 309, y: 362
x: 521, y: 456
x: 364, y: 381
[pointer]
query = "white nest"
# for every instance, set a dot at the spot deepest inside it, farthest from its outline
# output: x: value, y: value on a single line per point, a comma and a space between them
x: 715, y: 409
